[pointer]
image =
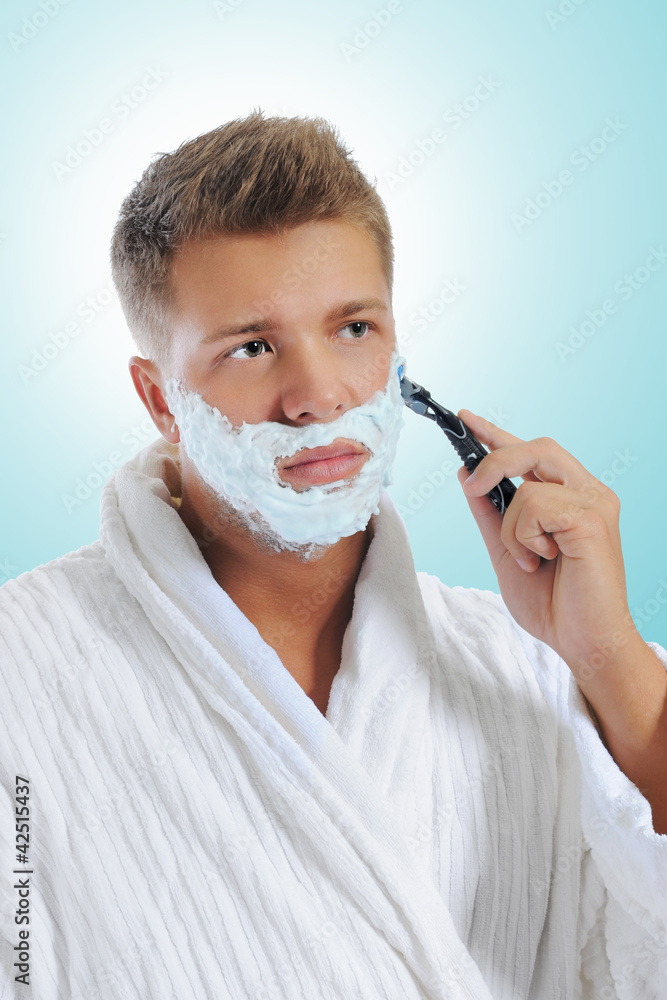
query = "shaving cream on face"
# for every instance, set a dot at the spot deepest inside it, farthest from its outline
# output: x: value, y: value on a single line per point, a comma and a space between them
x: 239, y: 465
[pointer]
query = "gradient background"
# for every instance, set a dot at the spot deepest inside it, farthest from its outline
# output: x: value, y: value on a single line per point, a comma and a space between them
x: 557, y: 78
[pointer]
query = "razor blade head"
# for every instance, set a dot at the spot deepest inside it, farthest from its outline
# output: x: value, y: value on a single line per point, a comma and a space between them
x: 411, y: 391
x: 409, y: 388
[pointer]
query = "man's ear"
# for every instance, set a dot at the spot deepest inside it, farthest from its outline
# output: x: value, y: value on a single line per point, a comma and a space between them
x: 146, y: 377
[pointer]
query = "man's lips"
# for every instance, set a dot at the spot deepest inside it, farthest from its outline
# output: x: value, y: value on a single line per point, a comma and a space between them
x: 320, y: 454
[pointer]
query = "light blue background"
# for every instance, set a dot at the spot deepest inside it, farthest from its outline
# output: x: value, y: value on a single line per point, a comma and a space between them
x: 557, y: 79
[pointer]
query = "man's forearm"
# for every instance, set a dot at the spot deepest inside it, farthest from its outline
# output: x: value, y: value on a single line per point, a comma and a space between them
x: 628, y: 694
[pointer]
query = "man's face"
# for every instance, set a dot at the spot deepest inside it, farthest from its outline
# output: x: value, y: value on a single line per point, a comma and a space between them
x: 295, y: 329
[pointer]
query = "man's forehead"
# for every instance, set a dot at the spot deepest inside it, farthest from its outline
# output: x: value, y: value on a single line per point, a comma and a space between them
x: 230, y: 284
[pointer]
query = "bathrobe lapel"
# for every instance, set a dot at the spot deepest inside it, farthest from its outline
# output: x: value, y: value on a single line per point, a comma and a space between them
x: 355, y: 783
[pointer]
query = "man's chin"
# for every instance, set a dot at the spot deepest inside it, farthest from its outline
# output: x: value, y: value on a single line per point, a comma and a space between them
x: 254, y: 526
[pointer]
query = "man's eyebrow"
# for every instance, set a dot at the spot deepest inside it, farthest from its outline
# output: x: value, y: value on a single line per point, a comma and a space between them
x: 225, y: 332
x: 264, y: 325
x: 355, y: 306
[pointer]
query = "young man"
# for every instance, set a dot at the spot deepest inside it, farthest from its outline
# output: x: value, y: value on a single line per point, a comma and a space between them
x: 263, y: 756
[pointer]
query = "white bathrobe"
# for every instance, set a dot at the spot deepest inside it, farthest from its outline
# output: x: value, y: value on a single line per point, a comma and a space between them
x: 453, y: 828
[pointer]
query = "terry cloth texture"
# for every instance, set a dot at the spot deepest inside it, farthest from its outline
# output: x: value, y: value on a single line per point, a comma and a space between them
x: 453, y: 828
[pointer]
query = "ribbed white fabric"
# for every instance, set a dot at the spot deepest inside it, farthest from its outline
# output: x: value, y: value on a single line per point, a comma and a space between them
x: 454, y: 828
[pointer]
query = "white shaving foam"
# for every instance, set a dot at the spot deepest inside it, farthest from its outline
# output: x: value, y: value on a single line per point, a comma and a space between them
x: 239, y: 463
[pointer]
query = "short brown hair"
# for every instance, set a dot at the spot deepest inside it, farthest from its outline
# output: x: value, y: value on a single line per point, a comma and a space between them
x: 251, y: 175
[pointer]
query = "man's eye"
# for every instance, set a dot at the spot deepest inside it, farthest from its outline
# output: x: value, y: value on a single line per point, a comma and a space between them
x: 248, y: 344
x: 357, y: 333
x: 255, y: 348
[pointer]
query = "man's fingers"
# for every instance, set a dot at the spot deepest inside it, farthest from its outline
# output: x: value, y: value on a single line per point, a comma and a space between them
x: 488, y: 433
x: 541, y: 459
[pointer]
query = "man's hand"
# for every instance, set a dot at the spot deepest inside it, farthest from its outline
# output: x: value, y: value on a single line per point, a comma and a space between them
x: 557, y: 550
x: 557, y: 555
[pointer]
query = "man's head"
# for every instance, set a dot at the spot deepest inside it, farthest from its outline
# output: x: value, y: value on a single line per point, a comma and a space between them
x: 253, y: 175
x: 254, y: 266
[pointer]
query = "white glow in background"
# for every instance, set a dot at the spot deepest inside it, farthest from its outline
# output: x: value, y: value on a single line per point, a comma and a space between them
x: 512, y: 296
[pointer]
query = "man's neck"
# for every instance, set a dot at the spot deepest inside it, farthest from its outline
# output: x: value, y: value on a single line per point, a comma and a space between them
x: 298, y: 599
x: 300, y: 608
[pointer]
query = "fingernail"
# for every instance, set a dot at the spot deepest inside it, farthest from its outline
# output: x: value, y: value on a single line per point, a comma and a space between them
x: 471, y: 480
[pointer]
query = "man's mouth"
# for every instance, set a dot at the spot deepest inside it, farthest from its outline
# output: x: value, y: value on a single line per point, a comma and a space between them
x: 321, y: 465
x: 333, y: 450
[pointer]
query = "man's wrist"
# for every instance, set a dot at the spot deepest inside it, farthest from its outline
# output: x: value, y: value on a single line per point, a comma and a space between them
x: 627, y: 700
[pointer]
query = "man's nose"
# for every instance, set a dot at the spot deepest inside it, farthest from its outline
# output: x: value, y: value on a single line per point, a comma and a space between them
x: 314, y: 388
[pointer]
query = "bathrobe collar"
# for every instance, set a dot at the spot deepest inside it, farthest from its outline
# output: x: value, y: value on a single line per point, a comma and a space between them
x: 350, y: 780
